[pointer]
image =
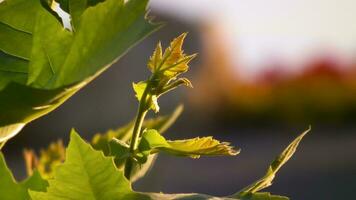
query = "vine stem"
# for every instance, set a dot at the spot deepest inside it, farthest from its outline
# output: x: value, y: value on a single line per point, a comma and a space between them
x: 140, y: 117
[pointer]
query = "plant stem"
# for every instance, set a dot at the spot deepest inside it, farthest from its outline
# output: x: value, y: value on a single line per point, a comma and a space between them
x: 140, y: 117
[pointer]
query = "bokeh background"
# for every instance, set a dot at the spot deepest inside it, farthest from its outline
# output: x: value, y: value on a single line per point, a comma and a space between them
x: 266, y: 71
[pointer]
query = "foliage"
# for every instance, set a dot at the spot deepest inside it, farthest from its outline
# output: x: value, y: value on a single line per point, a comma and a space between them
x: 88, y: 173
x: 57, y: 62
x: 42, y: 64
x: 11, y: 190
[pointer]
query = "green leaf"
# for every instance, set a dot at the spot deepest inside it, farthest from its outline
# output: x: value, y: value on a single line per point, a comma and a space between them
x: 153, y: 142
x: 72, y: 57
x: 11, y: 190
x: 48, y: 64
x: 16, y: 25
x: 19, y: 14
x: 267, y: 179
x: 86, y: 174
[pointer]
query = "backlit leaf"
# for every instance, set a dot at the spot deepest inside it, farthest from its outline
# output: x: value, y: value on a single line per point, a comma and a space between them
x: 153, y: 142
x: 11, y: 190
x: 156, y: 58
x: 173, y: 62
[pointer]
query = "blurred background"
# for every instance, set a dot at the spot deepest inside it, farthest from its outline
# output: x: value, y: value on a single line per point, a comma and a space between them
x: 265, y: 72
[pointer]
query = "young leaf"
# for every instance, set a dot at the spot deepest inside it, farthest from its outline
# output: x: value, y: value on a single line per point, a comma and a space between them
x: 11, y: 190
x: 165, y: 70
x: 173, y: 61
x: 153, y: 142
x: 50, y: 64
x: 156, y: 58
x: 266, y: 181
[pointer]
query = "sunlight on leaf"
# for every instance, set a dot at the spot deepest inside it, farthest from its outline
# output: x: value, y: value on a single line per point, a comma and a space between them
x: 165, y: 71
x: 153, y: 142
x: 173, y: 61
x: 86, y: 174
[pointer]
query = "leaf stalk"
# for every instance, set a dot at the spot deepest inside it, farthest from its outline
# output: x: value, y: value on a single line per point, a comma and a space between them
x: 140, y: 117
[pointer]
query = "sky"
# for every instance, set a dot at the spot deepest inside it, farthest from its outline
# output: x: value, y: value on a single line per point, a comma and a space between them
x: 292, y: 31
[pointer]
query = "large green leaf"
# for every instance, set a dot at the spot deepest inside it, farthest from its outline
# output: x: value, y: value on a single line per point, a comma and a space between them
x: 275, y: 166
x: 42, y: 64
x: 11, y: 190
x: 86, y: 174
